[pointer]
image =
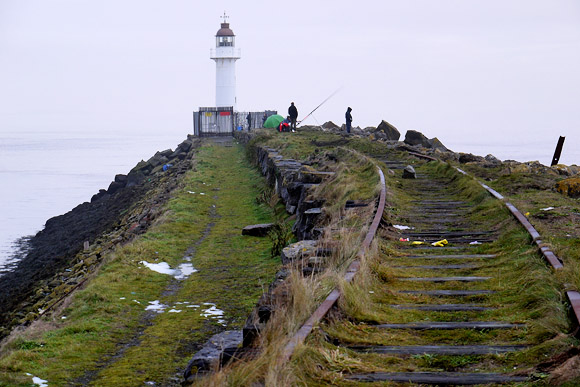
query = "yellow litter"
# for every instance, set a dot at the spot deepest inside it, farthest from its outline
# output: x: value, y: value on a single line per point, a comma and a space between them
x: 440, y: 243
x: 417, y: 243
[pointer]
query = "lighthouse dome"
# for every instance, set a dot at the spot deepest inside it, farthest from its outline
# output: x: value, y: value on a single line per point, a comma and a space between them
x: 225, y: 30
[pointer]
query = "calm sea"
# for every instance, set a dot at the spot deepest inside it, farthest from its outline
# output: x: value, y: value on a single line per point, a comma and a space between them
x: 48, y: 174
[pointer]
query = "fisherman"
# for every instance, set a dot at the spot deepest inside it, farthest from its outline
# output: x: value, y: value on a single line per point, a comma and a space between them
x: 249, y: 118
x: 285, y: 125
x: 348, y: 117
x: 293, y: 114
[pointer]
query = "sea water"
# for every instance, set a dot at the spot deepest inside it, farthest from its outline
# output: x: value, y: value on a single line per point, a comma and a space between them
x: 48, y: 174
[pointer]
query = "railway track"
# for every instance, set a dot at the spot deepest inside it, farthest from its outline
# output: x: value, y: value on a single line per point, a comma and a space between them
x: 444, y: 308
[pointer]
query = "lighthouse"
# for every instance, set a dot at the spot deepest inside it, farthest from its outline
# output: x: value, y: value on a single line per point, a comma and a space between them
x: 225, y: 55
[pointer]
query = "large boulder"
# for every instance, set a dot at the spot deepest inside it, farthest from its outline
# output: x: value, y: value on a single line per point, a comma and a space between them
x: 569, y: 187
x: 470, y: 158
x: 389, y: 130
x: 413, y: 137
x: 435, y: 143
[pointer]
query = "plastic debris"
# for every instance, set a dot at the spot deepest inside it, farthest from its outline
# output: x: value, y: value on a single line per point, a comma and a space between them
x: 440, y: 243
x: 527, y: 214
x: 417, y: 243
x: 475, y: 243
x: 167, y: 166
x: 400, y: 227
x: 404, y: 239
x: 547, y: 208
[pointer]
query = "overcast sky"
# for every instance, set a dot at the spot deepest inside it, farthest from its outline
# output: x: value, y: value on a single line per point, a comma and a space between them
x: 467, y: 71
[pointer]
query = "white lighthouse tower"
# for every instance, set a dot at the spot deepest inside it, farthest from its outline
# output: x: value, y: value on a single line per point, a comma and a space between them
x: 225, y: 55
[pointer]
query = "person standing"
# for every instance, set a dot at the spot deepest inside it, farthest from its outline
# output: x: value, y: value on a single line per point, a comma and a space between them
x: 249, y: 118
x: 293, y: 113
x: 348, y: 117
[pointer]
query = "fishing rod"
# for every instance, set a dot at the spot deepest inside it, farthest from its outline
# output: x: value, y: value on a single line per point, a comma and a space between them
x: 322, y: 103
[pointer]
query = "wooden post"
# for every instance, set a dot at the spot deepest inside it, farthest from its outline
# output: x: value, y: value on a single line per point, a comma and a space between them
x: 558, y: 151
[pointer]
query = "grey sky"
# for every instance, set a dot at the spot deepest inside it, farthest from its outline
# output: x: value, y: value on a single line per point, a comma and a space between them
x: 466, y: 71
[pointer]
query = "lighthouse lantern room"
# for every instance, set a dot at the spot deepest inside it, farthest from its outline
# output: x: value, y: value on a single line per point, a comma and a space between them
x: 225, y: 55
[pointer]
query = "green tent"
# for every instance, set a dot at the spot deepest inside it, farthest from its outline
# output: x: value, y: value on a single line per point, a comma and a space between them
x: 273, y: 121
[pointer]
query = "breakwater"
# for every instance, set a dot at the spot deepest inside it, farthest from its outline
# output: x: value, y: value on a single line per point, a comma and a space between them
x: 71, y: 245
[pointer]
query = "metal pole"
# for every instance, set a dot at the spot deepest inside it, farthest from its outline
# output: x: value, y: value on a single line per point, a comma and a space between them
x: 558, y: 151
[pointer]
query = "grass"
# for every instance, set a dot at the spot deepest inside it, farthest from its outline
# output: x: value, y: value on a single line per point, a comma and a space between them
x: 107, y: 337
x: 527, y: 292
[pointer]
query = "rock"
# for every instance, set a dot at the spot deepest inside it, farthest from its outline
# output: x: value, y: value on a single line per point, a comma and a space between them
x: 135, y: 178
x: 469, y: 158
x: 436, y: 144
x: 121, y: 179
x: 165, y: 153
x: 114, y: 187
x: 102, y: 194
x: 298, y: 250
x: 445, y: 155
x: 305, y: 219
x: 258, y: 230
x: 389, y: 130
x: 413, y: 137
x: 329, y: 125
x: 143, y: 167
x: 209, y: 356
x: 563, y: 169
x: 569, y: 187
x: 409, y: 172
x: 158, y: 159
x: 185, y: 146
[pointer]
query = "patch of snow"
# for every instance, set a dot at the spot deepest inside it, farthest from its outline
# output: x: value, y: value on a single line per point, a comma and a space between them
x: 213, y: 312
x: 156, y: 306
x: 185, y: 270
x: 162, y: 267
x: 174, y: 311
x: 182, y: 272
x: 38, y: 381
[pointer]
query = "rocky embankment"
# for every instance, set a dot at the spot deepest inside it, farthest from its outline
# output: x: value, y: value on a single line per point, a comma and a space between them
x: 69, y: 248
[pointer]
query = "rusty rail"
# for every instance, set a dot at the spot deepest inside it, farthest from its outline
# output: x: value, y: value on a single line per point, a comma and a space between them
x: 547, y: 253
x: 353, y: 268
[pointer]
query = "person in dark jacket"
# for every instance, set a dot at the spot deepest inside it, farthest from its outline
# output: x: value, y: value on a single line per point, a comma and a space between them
x: 348, y: 117
x: 293, y: 113
x: 249, y: 118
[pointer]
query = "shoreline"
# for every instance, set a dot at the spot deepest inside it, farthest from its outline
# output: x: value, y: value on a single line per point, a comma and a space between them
x: 56, y: 258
